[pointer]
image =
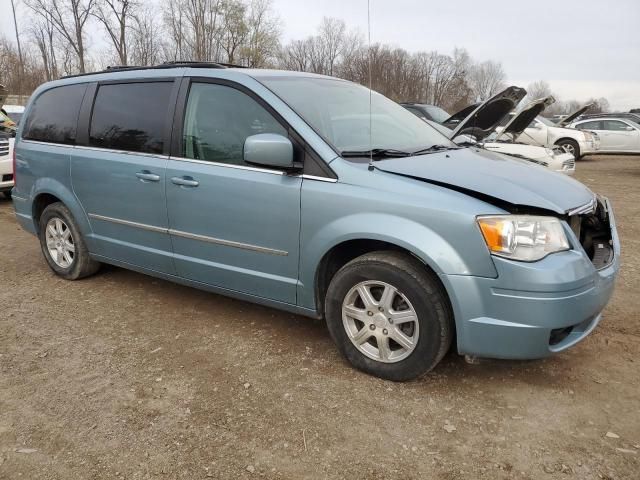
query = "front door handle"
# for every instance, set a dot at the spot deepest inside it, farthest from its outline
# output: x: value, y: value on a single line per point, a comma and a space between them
x: 185, y: 181
x: 147, y: 176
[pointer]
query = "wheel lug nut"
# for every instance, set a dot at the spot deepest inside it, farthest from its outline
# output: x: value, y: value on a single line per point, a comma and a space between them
x: 370, y: 313
x: 372, y: 326
x: 390, y: 320
x: 380, y: 309
x: 385, y: 331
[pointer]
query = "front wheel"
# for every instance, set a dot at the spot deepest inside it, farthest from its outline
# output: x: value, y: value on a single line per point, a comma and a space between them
x: 389, y: 316
x: 7, y: 194
x: 62, y: 244
x: 570, y: 146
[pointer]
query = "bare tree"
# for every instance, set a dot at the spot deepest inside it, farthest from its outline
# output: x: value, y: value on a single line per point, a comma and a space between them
x: 116, y: 16
x: 263, y: 38
x: 43, y: 34
x: 538, y: 89
x: 486, y: 79
x: 234, y: 28
x: 146, y: 38
x: 69, y: 17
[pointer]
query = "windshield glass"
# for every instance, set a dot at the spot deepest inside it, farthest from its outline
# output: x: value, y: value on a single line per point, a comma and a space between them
x: 438, y: 114
x: 339, y: 111
x: 546, y: 121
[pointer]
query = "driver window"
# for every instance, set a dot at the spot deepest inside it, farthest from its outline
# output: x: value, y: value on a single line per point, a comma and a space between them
x: 218, y: 119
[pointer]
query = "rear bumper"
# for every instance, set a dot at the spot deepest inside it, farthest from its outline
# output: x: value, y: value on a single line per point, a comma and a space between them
x: 532, y: 310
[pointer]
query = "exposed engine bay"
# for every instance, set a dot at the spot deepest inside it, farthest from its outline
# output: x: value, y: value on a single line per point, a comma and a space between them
x: 594, y: 231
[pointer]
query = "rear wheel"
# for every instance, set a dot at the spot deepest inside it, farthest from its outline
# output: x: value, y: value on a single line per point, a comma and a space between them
x: 570, y: 146
x: 389, y: 316
x: 62, y: 244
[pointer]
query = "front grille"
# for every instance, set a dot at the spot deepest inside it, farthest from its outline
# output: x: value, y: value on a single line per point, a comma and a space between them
x: 4, y: 148
x: 7, y: 178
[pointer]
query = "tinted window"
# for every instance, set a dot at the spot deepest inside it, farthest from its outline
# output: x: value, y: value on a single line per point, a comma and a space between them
x: 596, y: 125
x: 217, y: 121
x: 417, y: 112
x: 54, y: 115
x: 131, y: 116
x: 614, y: 125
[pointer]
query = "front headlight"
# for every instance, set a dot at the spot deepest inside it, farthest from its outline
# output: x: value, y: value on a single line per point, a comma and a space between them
x: 523, y: 237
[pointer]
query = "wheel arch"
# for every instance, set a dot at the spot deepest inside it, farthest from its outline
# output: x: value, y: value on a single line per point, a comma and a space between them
x: 47, y: 191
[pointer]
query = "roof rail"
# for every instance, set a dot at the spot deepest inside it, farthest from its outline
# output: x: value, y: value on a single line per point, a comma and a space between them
x: 172, y: 64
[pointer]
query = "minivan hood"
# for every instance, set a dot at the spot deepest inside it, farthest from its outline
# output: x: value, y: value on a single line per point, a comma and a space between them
x: 493, y: 176
x: 483, y: 120
x: 524, y: 117
x: 571, y: 117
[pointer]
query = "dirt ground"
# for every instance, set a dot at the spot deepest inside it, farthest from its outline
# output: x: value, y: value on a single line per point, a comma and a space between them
x: 125, y: 376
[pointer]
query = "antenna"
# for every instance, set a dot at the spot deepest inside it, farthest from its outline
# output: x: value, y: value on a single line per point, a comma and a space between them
x: 370, y: 85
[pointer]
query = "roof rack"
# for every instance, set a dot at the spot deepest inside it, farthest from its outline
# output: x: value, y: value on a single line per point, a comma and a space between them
x: 172, y: 64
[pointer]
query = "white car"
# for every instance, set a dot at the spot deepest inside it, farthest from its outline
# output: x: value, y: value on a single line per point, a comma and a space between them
x: 473, y: 129
x: 544, y: 132
x: 617, y: 135
x: 14, y: 112
x: 6, y: 165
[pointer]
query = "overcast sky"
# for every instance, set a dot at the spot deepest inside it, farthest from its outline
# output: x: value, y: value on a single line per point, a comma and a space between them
x: 583, y: 48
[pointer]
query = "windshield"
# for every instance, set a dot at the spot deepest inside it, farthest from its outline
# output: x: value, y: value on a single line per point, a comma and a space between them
x: 339, y: 111
x: 438, y: 114
x: 546, y: 121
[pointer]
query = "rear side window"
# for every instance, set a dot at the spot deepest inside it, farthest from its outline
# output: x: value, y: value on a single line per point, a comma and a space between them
x: 54, y: 115
x: 615, y: 125
x: 130, y: 116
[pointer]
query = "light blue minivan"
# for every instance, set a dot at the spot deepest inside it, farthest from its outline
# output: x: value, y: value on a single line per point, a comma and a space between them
x: 314, y: 195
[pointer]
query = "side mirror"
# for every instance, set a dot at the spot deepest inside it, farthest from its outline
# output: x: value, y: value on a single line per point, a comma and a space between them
x: 629, y: 129
x: 270, y: 150
x: 534, y: 126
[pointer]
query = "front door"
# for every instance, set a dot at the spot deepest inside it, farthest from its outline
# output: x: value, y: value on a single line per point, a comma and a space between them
x: 232, y: 225
x: 119, y: 176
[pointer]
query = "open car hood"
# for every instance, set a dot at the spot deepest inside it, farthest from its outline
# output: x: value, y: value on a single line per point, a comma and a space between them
x: 483, y: 120
x: 457, y: 117
x: 495, y: 178
x: 571, y: 117
x: 522, y: 119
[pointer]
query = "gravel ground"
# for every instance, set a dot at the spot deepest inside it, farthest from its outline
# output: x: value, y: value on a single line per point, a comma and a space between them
x: 125, y: 376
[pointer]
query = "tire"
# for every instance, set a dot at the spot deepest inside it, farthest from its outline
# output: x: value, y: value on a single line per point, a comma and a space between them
x: 77, y: 264
x: 570, y: 146
x: 7, y: 194
x: 416, y: 288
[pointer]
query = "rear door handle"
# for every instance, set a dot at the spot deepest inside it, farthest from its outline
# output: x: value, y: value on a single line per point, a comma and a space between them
x: 147, y: 176
x: 185, y: 181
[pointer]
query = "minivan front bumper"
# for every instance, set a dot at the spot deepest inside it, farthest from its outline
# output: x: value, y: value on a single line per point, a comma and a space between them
x: 532, y: 310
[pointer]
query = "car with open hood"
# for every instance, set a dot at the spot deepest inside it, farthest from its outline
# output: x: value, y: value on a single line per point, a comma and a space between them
x: 497, y: 107
x: 543, y: 132
x: 315, y: 195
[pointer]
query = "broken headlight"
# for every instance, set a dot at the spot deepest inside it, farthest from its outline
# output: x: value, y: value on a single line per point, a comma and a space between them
x: 523, y: 237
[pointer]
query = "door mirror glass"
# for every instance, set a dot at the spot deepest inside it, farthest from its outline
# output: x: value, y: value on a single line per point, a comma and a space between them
x: 629, y: 129
x: 268, y: 149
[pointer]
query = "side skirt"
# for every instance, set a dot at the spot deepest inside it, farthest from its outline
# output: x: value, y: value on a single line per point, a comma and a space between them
x: 307, y: 312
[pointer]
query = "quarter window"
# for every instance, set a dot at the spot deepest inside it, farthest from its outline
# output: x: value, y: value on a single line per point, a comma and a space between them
x: 53, y: 117
x: 218, y: 119
x: 131, y: 116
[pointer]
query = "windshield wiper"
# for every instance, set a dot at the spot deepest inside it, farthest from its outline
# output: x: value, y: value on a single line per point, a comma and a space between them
x: 434, y: 148
x: 375, y: 153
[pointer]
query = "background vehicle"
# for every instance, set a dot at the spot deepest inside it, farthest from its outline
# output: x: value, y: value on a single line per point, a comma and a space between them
x: 6, y: 165
x: 616, y: 134
x: 626, y: 116
x: 555, y: 159
x: 543, y: 132
x: 317, y: 196
x: 14, y: 112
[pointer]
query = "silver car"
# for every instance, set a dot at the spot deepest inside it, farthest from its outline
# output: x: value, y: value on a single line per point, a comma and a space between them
x: 617, y: 135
